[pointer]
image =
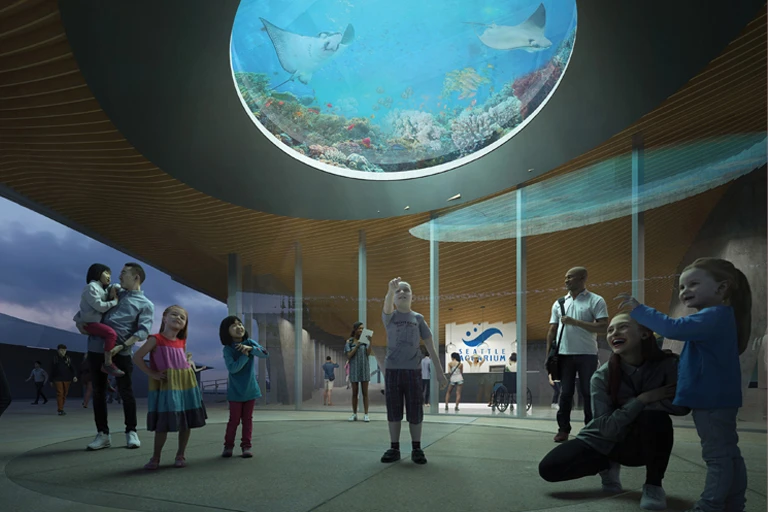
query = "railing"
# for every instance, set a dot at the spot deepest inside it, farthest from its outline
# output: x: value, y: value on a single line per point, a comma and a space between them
x: 216, y: 387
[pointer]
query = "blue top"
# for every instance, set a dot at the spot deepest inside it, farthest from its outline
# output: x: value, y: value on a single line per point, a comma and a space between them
x: 328, y: 369
x: 709, y: 376
x: 241, y: 384
x: 132, y: 316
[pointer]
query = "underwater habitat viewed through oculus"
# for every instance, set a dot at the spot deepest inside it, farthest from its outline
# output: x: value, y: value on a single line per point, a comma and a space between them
x: 355, y: 87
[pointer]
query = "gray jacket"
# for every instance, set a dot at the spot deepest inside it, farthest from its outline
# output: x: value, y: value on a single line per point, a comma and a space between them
x: 610, y: 423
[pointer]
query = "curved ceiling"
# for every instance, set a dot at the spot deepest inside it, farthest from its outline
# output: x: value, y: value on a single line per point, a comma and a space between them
x: 161, y: 72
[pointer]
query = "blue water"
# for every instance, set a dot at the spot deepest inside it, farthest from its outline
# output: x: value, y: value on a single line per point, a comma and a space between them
x: 399, y: 46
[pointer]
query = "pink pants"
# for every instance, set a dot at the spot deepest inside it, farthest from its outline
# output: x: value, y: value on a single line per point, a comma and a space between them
x: 103, y: 331
x: 239, y: 412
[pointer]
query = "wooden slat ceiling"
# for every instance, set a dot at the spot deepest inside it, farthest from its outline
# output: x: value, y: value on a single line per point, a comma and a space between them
x: 59, y: 149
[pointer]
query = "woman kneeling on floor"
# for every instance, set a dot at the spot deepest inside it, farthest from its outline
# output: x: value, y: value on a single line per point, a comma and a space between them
x: 632, y: 400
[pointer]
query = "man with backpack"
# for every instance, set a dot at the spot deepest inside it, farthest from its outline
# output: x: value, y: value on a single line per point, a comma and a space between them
x: 575, y: 322
x: 62, y: 376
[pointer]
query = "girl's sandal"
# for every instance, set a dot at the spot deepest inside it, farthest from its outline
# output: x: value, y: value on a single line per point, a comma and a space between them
x: 152, y: 464
x: 181, y: 462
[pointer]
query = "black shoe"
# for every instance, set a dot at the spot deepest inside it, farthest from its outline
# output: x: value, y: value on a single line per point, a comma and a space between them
x: 391, y: 456
x: 45, y: 402
x: 62, y: 413
x: 34, y: 403
x: 418, y: 457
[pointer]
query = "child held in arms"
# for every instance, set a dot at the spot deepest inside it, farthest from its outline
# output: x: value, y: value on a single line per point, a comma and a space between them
x: 405, y: 330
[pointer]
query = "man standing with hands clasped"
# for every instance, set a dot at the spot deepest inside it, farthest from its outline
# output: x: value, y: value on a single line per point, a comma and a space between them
x: 576, y: 321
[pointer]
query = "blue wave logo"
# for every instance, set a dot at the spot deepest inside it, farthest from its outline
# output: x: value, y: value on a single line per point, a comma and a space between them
x: 482, y: 337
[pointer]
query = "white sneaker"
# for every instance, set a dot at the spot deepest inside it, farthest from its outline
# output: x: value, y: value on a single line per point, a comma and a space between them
x: 132, y: 439
x: 353, y: 417
x: 611, y: 478
x: 556, y: 407
x: 102, y: 441
x: 366, y: 418
x: 654, y: 498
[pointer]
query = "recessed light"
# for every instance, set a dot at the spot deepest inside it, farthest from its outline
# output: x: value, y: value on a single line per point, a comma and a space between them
x: 407, y: 208
x: 457, y: 196
x: 530, y: 170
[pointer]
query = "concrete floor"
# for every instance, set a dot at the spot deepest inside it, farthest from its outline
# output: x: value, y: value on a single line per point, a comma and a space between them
x: 316, y: 460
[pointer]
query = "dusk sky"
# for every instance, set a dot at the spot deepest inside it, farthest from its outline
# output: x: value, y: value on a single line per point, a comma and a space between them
x: 44, y: 266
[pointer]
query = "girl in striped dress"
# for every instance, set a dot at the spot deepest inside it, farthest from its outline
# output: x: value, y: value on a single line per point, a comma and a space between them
x: 175, y: 403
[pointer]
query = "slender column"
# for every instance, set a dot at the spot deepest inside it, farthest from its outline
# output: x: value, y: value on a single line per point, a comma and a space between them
x: 638, y: 219
x: 521, y: 313
x: 261, y: 329
x: 362, y: 280
x: 434, y: 310
x: 247, y: 301
x: 234, y: 285
x: 298, y: 327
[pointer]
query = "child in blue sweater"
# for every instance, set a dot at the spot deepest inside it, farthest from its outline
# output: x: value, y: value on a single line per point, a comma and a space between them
x: 709, y: 378
x: 242, y: 388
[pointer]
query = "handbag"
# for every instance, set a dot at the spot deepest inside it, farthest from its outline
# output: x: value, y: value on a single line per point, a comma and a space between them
x: 552, y: 358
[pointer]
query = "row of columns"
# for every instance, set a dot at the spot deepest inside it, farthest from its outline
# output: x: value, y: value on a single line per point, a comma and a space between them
x: 235, y: 297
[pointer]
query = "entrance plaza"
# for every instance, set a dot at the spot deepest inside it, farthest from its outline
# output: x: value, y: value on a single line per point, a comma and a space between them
x: 317, y: 460
x: 483, y: 185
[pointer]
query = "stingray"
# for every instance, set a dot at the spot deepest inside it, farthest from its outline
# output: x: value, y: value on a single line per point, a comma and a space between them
x: 527, y: 36
x: 301, y: 55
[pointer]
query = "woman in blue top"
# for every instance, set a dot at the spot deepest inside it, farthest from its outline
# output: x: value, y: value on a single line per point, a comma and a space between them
x: 709, y: 379
x: 242, y: 388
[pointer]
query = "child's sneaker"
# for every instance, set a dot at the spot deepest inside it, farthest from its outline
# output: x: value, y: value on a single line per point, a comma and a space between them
x: 227, y: 453
x: 418, y: 457
x: 366, y: 418
x: 390, y: 455
x: 247, y: 453
x: 112, y: 370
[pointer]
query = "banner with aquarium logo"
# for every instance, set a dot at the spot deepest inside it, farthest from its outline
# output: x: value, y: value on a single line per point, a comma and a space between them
x: 480, y: 345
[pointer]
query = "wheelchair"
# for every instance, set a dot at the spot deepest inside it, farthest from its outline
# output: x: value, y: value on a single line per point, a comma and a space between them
x: 501, y: 397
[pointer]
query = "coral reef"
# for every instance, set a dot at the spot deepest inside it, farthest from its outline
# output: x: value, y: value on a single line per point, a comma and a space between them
x: 533, y: 88
x: 475, y: 129
x: 417, y: 127
x: 346, y: 134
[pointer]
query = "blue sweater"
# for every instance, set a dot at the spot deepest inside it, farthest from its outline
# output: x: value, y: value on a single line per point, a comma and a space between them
x: 242, y: 385
x: 709, y: 376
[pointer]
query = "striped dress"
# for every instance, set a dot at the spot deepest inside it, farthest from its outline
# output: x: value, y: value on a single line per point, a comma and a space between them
x: 174, y: 404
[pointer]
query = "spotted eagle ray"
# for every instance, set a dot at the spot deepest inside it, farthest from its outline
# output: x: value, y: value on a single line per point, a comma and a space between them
x: 528, y: 35
x: 301, y: 55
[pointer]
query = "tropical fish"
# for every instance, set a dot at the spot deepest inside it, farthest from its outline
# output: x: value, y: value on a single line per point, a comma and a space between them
x: 380, y: 90
x: 281, y: 103
x: 366, y: 142
x: 473, y: 103
x: 301, y: 55
x: 373, y: 116
x: 328, y: 105
x: 490, y: 66
x: 528, y: 35
x: 314, y: 110
x: 350, y: 126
